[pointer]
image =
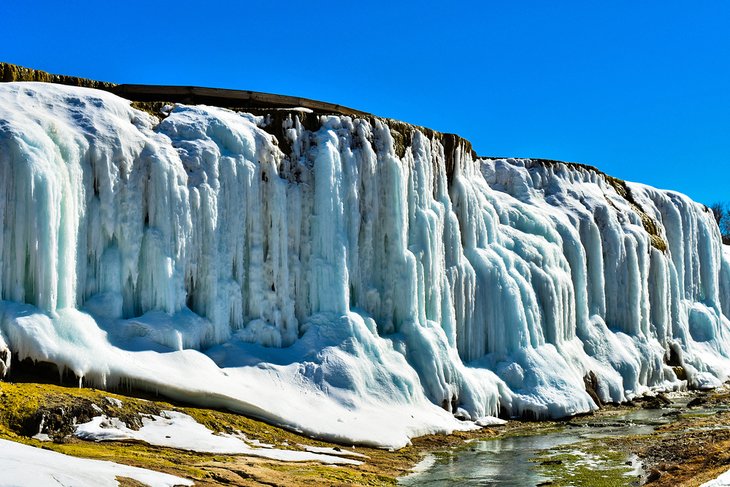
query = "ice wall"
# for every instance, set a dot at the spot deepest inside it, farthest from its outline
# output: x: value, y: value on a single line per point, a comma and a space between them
x: 365, y: 267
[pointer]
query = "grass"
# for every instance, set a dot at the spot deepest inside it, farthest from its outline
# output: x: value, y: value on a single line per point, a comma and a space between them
x: 683, y: 451
x: 29, y: 408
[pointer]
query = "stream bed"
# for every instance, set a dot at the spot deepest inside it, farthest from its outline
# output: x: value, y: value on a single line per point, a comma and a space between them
x: 571, y: 453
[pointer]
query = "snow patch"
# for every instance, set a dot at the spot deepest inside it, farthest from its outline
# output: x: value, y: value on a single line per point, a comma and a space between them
x: 721, y: 481
x: 26, y: 465
x: 490, y: 421
x: 178, y: 430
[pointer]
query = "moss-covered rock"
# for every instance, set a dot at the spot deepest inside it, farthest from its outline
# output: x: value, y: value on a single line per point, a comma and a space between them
x: 11, y: 72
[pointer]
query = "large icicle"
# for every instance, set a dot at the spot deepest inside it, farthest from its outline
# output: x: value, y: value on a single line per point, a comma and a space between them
x: 380, y: 273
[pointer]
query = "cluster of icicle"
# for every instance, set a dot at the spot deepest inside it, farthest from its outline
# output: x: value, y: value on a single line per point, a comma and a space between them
x: 502, y: 283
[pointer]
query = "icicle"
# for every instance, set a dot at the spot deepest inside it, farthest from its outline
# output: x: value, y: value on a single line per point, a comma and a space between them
x: 374, y: 259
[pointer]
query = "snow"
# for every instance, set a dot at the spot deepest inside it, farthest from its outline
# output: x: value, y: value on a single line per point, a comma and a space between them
x: 178, y: 430
x: 114, y: 401
x: 490, y: 421
x: 26, y: 465
x: 332, y: 451
x: 424, y: 465
x: 341, y: 289
x: 721, y: 481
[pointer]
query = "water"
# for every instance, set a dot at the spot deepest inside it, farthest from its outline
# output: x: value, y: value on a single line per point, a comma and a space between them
x: 529, y: 460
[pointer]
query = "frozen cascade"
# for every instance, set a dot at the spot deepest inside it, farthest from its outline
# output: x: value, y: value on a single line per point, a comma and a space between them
x: 356, y: 279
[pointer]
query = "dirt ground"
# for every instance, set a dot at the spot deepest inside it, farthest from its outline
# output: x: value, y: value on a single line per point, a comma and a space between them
x: 692, y: 449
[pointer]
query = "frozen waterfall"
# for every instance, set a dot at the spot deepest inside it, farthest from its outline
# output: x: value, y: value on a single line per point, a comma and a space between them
x: 356, y: 279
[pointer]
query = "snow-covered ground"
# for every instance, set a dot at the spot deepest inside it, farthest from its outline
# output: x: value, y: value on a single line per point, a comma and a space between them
x: 23, y: 465
x: 721, y: 481
x: 366, y: 286
x: 178, y: 430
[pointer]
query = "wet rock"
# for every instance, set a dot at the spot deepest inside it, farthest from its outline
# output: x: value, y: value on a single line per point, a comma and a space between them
x: 654, y: 475
x: 671, y: 413
x: 657, y: 401
x: 551, y: 462
x: 697, y: 402
x: 664, y: 399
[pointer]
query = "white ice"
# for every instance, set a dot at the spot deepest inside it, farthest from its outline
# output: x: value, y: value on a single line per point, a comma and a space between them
x: 353, y: 281
x: 23, y: 465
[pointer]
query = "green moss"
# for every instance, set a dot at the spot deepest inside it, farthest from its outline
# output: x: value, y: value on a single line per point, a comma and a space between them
x: 138, y: 454
x: 331, y: 475
x: 23, y: 405
x: 583, y: 464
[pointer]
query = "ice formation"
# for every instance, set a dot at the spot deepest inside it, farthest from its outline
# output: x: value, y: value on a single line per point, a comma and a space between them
x: 357, y: 279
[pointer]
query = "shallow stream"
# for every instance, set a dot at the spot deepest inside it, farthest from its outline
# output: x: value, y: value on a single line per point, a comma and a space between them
x: 573, y: 453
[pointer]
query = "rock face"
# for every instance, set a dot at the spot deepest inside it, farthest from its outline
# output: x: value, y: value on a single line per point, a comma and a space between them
x: 11, y: 72
x: 367, y: 266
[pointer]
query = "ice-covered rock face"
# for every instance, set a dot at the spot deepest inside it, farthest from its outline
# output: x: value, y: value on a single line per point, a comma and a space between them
x: 380, y: 274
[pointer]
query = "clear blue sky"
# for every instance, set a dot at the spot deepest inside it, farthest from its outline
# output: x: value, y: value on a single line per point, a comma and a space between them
x: 640, y: 89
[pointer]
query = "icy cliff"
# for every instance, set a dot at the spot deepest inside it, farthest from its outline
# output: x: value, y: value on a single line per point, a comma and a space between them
x: 353, y: 278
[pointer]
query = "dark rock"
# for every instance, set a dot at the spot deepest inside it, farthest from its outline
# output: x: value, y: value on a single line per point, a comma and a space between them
x: 551, y: 462
x: 673, y: 358
x: 664, y: 399
x: 696, y: 402
x: 652, y: 403
x: 591, y: 384
x: 653, y: 476
x: 680, y: 372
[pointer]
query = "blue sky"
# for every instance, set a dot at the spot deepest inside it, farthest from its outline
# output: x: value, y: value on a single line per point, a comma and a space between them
x: 639, y: 89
